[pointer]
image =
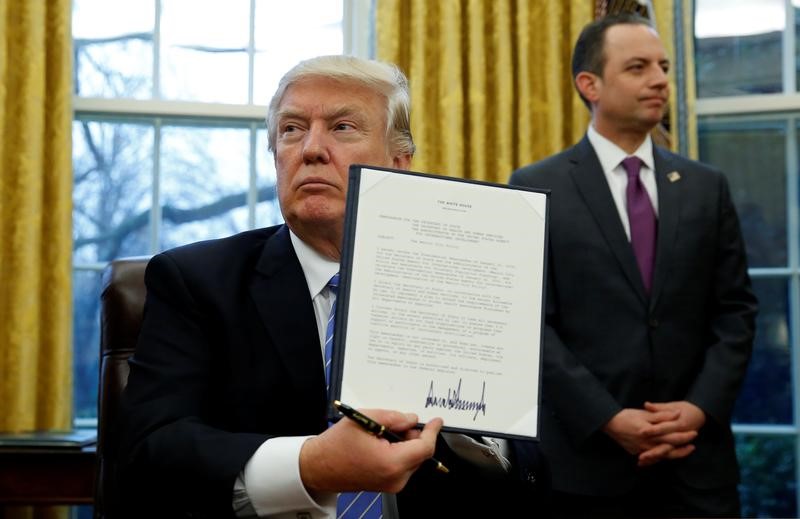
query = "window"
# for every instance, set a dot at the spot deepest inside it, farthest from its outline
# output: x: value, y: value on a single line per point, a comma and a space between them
x: 169, y: 140
x: 748, y: 108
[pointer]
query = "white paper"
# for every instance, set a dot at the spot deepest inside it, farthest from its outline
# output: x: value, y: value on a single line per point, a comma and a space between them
x: 445, y: 302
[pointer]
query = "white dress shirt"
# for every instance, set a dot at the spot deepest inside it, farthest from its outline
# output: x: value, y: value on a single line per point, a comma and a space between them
x: 611, y: 157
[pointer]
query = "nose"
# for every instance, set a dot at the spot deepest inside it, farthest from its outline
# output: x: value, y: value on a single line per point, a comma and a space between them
x: 315, y: 145
x: 659, y: 78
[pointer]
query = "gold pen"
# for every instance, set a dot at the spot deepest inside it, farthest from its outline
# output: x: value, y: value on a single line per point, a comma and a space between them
x: 373, y: 427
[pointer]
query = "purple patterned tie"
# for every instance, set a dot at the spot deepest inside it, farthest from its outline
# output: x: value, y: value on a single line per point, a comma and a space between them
x: 642, y: 220
x: 350, y: 505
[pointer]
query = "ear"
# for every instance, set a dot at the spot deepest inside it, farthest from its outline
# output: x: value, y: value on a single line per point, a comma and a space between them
x: 588, y: 85
x: 401, y: 161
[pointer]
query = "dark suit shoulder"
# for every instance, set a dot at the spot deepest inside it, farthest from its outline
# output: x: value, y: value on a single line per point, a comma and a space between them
x: 686, y: 163
x: 228, y: 251
x: 221, y: 247
x: 533, y: 175
x: 217, y: 265
x: 700, y: 172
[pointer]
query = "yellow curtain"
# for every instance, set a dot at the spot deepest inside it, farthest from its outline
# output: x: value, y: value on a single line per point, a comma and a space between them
x: 35, y: 214
x: 664, y: 12
x: 490, y: 80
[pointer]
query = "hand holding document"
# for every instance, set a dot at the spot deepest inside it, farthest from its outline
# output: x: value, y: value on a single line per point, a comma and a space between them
x: 441, y: 300
x: 374, y: 428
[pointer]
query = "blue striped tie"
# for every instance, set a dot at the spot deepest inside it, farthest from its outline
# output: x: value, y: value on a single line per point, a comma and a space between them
x: 333, y: 286
x: 350, y: 505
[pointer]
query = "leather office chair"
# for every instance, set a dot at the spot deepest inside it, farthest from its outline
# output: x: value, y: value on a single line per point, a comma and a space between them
x: 121, y: 307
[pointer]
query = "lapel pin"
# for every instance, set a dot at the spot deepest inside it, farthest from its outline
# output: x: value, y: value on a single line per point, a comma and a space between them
x: 673, y: 176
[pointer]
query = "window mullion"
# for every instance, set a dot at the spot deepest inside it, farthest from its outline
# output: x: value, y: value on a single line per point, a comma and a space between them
x: 792, y: 190
x: 788, y: 62
x: 169, y: 108
x: 157, y: 52
x: 357, y: 25
x: 252, y: 192
x: 155, y: 209
x: 251, y: 53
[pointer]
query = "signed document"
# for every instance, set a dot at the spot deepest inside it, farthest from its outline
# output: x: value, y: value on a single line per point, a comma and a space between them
x: 441, y: 301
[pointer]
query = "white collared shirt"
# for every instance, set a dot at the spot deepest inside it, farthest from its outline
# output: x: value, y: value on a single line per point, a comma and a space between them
x: 318, y: 270
x: 611, y: 157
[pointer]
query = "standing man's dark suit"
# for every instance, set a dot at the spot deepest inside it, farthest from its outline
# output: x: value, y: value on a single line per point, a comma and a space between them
x: 608, y: 345
x: 639, y: 388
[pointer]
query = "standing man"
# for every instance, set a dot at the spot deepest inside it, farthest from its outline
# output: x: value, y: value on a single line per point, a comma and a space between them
x: 224, y: 413
x: 650, y: 313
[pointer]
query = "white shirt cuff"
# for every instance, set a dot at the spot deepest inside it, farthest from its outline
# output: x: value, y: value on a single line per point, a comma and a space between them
x: 272, y: 480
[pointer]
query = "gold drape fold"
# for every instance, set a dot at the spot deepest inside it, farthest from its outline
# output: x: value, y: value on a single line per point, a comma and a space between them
x: 490, y: 80
x: 35, y: 214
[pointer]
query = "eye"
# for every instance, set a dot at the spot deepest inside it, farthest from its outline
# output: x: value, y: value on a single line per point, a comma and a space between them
x: 343, y: 127
x: 289, y: 129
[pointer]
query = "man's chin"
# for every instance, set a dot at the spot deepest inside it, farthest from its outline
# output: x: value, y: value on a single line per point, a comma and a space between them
x: 658, y: 114
x: 652, y: 120
x: 317, y: 215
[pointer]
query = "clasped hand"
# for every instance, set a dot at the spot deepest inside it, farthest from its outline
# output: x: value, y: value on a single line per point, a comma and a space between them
x: 657, y: 432
x: 345, y: 457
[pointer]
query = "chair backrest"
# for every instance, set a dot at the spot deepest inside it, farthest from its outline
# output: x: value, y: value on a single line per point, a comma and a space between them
x: 121, y: 307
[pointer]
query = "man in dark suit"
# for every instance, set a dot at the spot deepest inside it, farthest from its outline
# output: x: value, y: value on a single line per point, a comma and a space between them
x: 650, y: 312
x: 224, y: 411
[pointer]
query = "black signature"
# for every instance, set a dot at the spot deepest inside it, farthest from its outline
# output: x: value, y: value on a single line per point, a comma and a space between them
x: 453, y: 400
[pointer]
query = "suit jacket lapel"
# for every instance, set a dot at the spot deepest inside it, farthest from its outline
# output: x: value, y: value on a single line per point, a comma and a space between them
x: 280, y: 293
x: 670, y: 196
x: 587, y: 174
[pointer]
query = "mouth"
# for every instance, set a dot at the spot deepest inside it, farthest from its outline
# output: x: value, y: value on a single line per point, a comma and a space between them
x: 661, y: 101
x: 315, y: 183
x: 312, y: 180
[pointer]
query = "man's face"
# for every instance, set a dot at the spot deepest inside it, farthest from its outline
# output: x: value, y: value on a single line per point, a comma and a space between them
x: 324, y: 126
x: 633, y: 91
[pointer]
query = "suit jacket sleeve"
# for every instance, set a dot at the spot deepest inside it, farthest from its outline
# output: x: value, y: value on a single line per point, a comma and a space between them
x: 732, y: 323
x: 172, y: 444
